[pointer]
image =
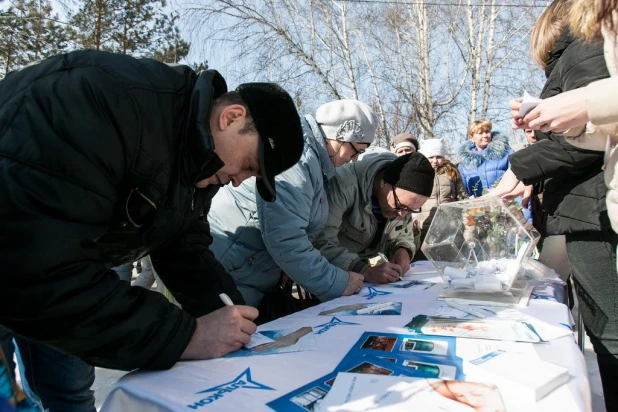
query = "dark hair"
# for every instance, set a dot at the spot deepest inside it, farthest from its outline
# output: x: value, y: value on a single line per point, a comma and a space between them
x: 233, y: 97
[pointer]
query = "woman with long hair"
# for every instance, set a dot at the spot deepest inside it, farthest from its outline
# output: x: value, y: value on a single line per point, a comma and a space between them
x: 584, y: 110
x: 447, y: 186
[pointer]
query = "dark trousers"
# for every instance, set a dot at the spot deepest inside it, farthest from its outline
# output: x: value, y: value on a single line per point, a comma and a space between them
x: 592, y: 256
x: 60, y: 382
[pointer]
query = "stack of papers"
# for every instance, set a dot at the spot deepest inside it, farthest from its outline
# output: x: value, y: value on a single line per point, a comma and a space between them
x: 518, y: 374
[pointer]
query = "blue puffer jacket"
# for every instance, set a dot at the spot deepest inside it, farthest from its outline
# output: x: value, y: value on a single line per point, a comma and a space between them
x: 480, y: 169
x: 255, y: 241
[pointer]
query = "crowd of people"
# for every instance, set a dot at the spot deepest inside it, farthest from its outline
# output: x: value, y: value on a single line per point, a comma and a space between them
x: 106, y: 160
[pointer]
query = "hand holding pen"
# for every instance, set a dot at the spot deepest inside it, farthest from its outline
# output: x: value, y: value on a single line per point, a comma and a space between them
x: 222, y: 331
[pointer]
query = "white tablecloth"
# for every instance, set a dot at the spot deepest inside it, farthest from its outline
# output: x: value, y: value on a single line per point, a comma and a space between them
x: 247, y: 384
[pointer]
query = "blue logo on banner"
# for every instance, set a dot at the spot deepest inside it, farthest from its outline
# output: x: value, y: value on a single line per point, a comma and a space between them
x: 373, y: 292
x: 243, y: 381
x: 334, y: 322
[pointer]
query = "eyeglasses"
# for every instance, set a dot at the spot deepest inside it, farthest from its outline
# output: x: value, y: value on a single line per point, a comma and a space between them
x: 401, y: 208
x: 356, y: 151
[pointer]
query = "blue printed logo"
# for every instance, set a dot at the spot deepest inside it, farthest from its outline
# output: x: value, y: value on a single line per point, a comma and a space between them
x: 243, y: 381
x: 329, y: 325
x: 373, y: 292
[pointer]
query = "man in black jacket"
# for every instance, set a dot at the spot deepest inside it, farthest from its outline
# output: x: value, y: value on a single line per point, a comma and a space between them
x: 104, y: 159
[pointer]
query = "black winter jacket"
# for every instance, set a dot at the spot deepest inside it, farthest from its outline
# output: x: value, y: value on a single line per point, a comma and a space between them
x: 574, y: 191
x: 99, y: 155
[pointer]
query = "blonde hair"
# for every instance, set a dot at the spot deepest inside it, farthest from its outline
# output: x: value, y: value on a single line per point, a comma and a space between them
x: 588, y: 16
x: 547, y: 29
x: 477, y: 126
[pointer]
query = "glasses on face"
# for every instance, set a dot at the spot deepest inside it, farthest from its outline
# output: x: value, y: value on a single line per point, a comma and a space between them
x: 398, y: 206
x: 356, y: 151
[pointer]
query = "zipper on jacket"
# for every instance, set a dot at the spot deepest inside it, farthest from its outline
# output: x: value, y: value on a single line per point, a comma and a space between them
x: 192, y: 199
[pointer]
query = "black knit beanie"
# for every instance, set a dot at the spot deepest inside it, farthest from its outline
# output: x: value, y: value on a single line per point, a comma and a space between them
x: 411, y: 172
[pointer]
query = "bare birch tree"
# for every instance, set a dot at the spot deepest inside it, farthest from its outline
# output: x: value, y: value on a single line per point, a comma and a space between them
x: 426, y: 68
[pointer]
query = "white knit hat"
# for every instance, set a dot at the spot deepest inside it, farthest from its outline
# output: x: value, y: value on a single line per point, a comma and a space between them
x: 433, y: 147
x: 347, y: 120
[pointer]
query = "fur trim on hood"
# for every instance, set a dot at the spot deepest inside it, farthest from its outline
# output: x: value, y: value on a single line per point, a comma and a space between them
x: 471, y: 158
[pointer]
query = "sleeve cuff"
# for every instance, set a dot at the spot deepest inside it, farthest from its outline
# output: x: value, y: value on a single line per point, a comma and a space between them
x: 178, y: 342
x: 407, y: 248
x: 602, y: 107
x: 342, y: 277
x: 358, y: 266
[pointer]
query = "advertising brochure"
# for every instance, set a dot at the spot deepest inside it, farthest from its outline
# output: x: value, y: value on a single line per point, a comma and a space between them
x: 359, y: 309
x: 432, y: 354
x: 522, y: 375
x: 353, y: 392
x: 475, y: 328
x: 281, y: 341
x: 386, y: 354
x: 308, y: 397
x: 512, y: 326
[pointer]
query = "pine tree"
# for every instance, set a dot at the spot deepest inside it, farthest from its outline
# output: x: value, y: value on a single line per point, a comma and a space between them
x: 123, y: 26
x: 48, y: 36
x: 29, y: 32
x: 169, y: 46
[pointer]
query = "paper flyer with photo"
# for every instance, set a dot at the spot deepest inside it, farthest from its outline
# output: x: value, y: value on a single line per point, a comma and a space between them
x: 309, y: 396
x: 353, y: 392
x: 434, y: 355
x: 508, y: 330
x: 365, y: 309
x: 283, y: 341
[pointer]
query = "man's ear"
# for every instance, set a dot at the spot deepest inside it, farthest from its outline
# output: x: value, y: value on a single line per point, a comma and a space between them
x: 231, y: 114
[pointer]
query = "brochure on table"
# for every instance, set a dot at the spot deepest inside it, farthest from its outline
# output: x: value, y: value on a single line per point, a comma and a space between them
x: 382, y: 354
x: 353, y: 392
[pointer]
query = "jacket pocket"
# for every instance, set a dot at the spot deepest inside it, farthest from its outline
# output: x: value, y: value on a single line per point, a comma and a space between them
x: 139, y: 208
x: 259, y: 270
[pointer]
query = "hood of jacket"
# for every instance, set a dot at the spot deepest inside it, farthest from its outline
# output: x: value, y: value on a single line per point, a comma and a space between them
x: 564, y: 40
x: 364, y: 172
x: 199, y: 143
x: 471, y: 158
x: 315, y: 139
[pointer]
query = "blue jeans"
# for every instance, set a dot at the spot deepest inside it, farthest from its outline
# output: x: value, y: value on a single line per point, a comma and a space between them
x: 56, y: 380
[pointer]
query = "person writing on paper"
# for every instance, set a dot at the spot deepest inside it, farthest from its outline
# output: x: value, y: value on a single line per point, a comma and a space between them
x: 589, y: 211
x: 104, y: 159
x: 371, y: 202
x: 256, y: 240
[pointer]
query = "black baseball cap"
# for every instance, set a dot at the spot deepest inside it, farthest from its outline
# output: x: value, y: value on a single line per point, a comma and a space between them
x: 280, y: 132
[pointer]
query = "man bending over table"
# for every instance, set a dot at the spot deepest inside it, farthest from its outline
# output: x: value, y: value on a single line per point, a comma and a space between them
x: 371, y: 202
x: 104, y: 159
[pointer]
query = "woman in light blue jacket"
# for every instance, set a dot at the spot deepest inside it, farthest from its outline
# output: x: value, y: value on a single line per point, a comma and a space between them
x: 256, y: 241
